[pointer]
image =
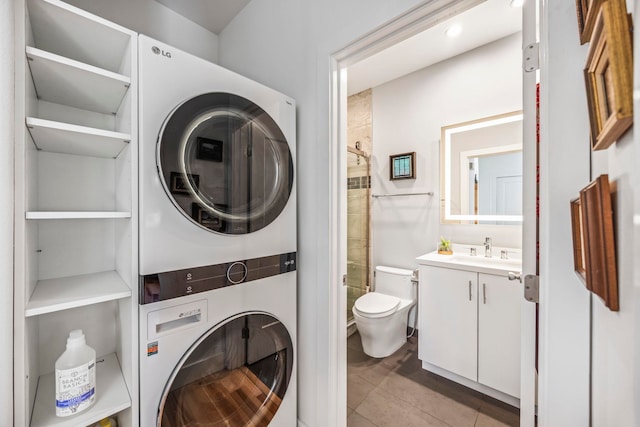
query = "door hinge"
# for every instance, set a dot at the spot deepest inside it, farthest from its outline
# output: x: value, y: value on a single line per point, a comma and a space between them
x: 531, y: 288
x: 344, y: 280
x: 531, y: 57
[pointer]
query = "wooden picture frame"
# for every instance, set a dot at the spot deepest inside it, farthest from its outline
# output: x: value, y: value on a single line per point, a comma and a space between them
x: 609, y: 75
x: 587, y: 11
x: 578, y: 240
x: 402, y: 166
x: 599, y: 241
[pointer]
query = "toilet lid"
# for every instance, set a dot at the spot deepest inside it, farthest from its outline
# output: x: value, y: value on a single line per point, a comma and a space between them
x: 375, y: 304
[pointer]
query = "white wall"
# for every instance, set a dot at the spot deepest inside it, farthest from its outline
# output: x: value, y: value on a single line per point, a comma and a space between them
x: 614, y: 355
x: 158, y: 21
x: 6, y: 209
x: 290, y: 51
x: 408, y: 114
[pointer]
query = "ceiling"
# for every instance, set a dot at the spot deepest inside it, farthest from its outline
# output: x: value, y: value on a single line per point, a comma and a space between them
x: 487, y: 22
x: 214, y: 15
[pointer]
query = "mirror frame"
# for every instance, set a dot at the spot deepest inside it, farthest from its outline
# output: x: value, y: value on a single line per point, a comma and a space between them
x: 446, y: 217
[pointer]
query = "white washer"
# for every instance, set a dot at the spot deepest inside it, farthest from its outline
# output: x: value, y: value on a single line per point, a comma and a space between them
x: 217, y: 154
x: 224, y: 357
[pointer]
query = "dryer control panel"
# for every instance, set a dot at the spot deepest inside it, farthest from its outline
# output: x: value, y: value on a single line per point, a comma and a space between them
x: 179, y: 283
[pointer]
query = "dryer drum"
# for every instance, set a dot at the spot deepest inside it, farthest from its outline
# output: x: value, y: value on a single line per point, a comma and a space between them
x: 225, y: 163
x: 235, y: 375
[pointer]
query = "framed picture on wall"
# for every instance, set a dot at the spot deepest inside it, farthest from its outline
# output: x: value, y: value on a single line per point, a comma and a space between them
x: 179, y: 186
x: 609, y: 75
x: 599, y: 241
x: 402, y: 166
x: 206, y: 218
x: 578, y: 240
x: 209, y: 149
x: 587, y: 11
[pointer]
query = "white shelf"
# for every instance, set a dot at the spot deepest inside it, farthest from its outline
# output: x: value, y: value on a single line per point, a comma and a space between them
x: 76, y: 291
x: 76, y: 34
x: 66, y: 138
x: 68, y: 82
x: 112, y: 396
x: 76, y: 215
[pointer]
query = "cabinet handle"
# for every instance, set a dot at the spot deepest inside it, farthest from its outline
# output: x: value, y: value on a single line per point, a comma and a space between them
x: 469, y: 290
x: 484, y: 293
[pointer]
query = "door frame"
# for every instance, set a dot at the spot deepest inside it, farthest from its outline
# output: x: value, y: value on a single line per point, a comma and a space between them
x: 412, y: 22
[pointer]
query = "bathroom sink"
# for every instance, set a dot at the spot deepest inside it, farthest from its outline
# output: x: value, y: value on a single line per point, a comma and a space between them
x: 479, y: 263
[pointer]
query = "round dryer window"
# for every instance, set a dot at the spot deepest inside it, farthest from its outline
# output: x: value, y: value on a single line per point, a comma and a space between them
x: 225, y: 163
x: 236, y: 375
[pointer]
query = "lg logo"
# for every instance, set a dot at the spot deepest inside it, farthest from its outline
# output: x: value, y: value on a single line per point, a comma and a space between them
x: 158, y: 51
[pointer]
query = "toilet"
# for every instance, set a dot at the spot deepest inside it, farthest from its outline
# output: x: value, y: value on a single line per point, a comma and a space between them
x: 381, y: 316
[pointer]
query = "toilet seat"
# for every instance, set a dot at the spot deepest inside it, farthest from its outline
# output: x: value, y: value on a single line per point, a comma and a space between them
x: 374, y: 305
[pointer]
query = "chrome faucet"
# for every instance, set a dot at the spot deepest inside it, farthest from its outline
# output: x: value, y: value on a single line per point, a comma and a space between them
x: 487, y: 247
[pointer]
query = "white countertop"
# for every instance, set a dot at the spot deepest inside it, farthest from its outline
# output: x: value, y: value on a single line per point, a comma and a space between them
x: 462, y: 260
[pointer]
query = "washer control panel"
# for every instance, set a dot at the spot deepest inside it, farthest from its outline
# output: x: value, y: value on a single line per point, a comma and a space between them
x: 179, y: 283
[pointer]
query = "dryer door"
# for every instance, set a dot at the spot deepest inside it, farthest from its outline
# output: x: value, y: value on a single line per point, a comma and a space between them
x: 235, y: 375
x: 225, y: 163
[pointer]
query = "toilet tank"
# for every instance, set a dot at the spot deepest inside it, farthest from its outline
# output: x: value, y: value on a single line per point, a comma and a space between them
x: 395, y: 281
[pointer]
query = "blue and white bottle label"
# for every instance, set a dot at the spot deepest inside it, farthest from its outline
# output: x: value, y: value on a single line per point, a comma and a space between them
x: 75, y: 389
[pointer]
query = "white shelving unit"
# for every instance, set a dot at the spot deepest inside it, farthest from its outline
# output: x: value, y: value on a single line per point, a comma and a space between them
x: 76, y: 208
x: 76, y: 84
x: 66, y: 138
x: 69, y: 292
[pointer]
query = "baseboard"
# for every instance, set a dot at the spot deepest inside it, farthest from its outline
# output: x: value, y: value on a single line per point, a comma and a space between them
x: 506, y: 398
x: 351, y: 329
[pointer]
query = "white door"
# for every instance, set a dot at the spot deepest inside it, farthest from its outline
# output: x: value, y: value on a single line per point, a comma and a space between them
x: 499, y: 314
x: 528, y: 369
x: 509, y: 195
x: 448, y: 301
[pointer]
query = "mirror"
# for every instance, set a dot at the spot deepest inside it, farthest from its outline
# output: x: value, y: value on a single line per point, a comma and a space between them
x: 481, y: 171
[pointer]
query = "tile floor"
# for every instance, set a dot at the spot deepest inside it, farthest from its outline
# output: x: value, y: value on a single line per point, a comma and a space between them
x: 397, y: 392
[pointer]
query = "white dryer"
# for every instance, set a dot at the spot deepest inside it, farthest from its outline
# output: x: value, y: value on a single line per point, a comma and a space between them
x: 217, y: 163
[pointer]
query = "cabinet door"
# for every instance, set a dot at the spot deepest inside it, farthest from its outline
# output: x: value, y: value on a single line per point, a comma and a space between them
x: 448, y: 320
x: 499, y: 333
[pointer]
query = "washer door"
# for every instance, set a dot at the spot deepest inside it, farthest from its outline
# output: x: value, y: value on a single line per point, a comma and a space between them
x: 235, y: 375
x: 225, y: 163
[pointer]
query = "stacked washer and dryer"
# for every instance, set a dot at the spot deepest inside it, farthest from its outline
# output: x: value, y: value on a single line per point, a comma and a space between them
x: 217, y: 245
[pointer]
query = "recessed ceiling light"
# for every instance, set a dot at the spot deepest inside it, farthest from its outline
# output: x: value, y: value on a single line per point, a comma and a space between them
x: 517, y: 3
x: 453, y: 31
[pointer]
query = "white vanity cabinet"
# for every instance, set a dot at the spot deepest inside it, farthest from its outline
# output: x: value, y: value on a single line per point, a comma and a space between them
x: 499, y: 302
x: 448, y: 320
x: 469, y: 328
x: 76, y: 160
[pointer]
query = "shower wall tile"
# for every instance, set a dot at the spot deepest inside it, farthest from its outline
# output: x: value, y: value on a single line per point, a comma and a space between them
x: 359, y: 120
x: 359, y: 108
x: 360, y: 133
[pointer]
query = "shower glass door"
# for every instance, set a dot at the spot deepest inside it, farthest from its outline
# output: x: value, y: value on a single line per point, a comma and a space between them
x: 358, y: 226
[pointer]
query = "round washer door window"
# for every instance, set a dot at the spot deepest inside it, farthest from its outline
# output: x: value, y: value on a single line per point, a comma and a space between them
x: 235, y: 375
x: 225, y: 163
